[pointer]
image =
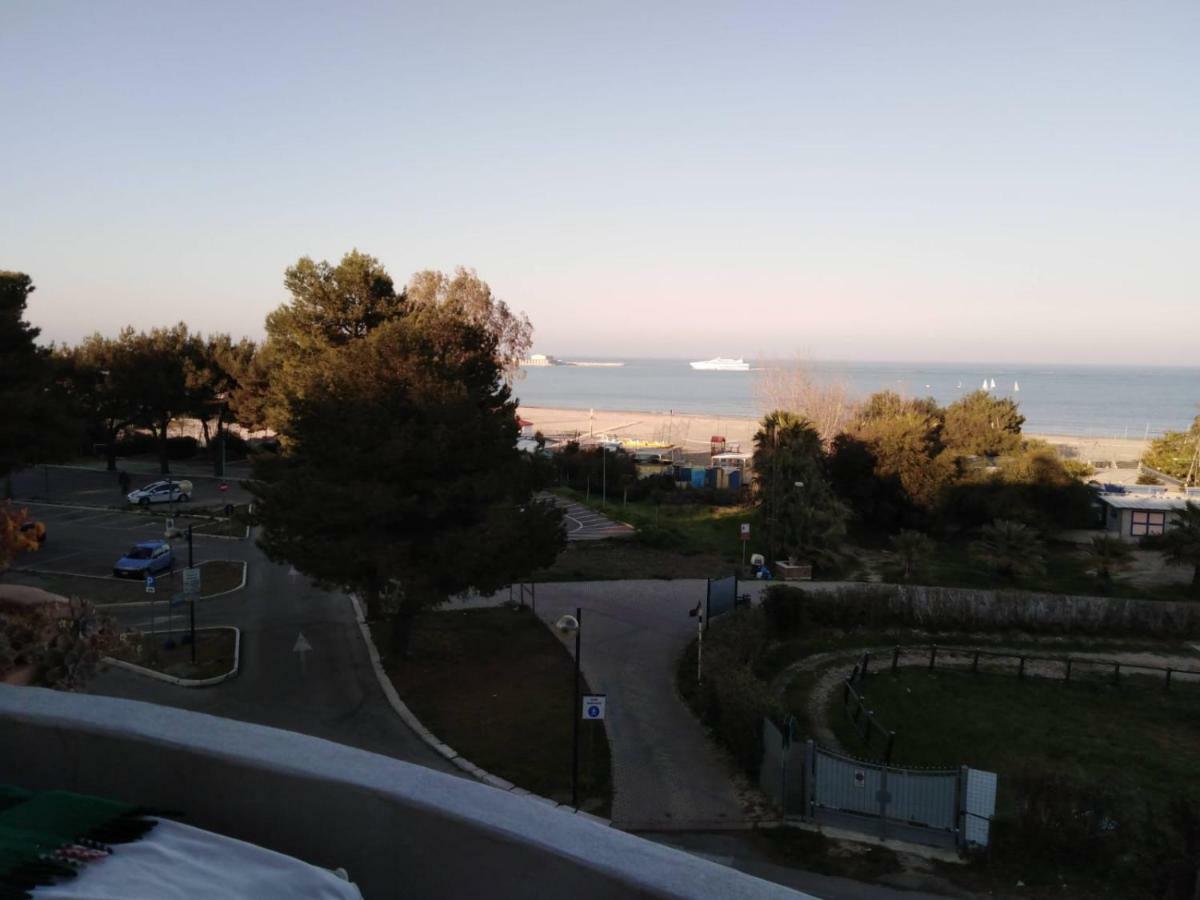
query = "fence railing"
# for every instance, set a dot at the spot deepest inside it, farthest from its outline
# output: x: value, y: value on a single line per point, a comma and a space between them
x: 1065, y: 667
x: 862, y: 718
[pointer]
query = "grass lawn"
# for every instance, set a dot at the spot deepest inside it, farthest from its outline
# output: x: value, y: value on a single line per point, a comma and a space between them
x: 495, y: 684
x: 1129, y: 751
x: 216, y: 576
x: 691, y: 527
x: 214, y: 653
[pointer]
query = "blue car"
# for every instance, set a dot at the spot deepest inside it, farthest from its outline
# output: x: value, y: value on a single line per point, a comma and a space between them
x: 145, y: 558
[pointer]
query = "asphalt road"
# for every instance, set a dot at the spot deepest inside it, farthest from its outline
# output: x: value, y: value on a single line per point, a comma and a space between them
x: 667, y: 774
x: 331, y: 692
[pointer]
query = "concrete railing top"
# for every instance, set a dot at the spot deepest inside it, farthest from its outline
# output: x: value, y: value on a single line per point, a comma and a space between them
x: 400, y: 829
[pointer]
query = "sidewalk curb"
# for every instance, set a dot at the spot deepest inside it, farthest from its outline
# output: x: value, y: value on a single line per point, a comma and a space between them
x: 186, y: 682
x: 431, y: 739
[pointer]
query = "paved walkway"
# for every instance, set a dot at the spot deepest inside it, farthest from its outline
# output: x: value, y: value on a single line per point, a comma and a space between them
x: 667, y: 773
x: 585, y: 524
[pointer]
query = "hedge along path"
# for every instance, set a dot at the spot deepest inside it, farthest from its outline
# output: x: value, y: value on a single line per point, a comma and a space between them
x: 836, y: 666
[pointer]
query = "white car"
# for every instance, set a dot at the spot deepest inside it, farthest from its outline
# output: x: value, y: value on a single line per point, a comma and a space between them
x: 162, y: 492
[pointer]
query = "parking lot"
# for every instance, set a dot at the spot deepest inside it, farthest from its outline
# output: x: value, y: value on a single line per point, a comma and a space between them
x: 100, y: 488
x: 86, y: 541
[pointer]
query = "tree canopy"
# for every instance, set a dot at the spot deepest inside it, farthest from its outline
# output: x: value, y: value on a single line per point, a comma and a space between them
x: 399, y: 477
x: 980, y: 424
x: 35, y: 426
x: 798, y: 510
x: 1175, y: 454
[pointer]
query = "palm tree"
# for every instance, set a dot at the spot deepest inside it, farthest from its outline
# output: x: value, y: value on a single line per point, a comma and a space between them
x: 1109, y: 554
x: 1180, y: 545
x: 912, y: 547
x: 1011, y: 549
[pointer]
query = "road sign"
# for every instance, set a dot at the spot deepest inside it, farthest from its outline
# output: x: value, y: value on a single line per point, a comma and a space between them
x: 593, y: 706
x: 223, y: 487
x: 745, y: 530
x: 149, y: 584
x: 191, y: 580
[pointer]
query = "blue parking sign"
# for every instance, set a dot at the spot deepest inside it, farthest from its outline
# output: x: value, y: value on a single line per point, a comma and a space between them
x: 149, y: 584
x: 594, y: 706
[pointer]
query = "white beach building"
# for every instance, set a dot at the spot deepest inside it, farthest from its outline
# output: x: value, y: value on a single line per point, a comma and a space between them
x: 1132, y: 516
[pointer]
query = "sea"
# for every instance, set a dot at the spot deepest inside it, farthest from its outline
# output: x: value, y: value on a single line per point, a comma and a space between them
x: 1078, y: 400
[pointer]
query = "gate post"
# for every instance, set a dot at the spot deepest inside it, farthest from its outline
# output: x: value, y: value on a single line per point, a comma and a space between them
x: 810, y: 781
x: 883, y: 801
x: 960, y: 811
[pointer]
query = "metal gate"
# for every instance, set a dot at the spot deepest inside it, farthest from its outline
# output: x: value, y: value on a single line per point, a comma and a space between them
x: 942, y: 807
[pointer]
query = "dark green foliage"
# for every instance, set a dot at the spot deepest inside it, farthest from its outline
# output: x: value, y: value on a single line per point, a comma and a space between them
x: 399, y: 477
x: 1180, y: 543
x: 183, y: 447
x: 982, y: 425
x: 797, y: 509
x: 971, y: 610
x: 733, y: 699
x: 877, y: 498
x: 595, y: 469
x: 1109, y: 554
x: 912, y: 548
x: 36, y: 428
x: 1010, y: 549
x: 1175, y: 453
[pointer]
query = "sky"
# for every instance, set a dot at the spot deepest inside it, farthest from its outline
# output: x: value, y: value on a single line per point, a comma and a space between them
x: 918, y: 181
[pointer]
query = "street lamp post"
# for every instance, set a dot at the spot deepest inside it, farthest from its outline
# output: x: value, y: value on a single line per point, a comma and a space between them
x: 565, y: 624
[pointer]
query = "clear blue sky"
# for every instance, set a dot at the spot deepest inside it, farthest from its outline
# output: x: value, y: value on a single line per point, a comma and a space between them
x: 909, y: 181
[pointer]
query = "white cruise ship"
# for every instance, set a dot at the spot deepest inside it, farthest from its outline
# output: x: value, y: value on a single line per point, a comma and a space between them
x: 721, y: 364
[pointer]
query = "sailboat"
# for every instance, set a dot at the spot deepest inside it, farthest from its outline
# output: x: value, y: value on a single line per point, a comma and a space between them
x: 993, y: 384
x: 984, y: 384
x: 1016, y: 387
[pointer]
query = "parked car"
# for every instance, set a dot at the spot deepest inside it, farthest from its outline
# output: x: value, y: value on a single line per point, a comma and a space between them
x: 162, y: 492
x: 35, y: 529
x: 145, y: 558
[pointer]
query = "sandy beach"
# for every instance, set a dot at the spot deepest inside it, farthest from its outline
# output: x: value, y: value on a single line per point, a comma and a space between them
x: 693, y: 432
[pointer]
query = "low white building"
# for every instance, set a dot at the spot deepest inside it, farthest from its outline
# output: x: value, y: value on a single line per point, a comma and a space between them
x: 1133, y: 516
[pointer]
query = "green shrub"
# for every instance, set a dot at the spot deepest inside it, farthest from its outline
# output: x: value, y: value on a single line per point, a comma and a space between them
x: 660, y: 537
x: 182, y: 447
x: 1147, y: 478
x: 135, y: 443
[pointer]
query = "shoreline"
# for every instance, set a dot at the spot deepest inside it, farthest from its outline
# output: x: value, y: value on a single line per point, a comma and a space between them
x: 694, y: 430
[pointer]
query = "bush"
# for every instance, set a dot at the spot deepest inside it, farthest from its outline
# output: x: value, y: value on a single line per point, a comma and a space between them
x: 784, y: 609
x: 660, y: 537
x: 182, y: 447
x: 135, y: 443
x: 971, y: 609
x: 1147, y: 478
x: 235, y: 446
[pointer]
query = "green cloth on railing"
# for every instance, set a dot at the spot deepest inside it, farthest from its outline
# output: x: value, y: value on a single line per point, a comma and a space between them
x: 45, y: 836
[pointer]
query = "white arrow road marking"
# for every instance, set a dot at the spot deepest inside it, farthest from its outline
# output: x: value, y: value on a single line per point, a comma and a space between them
x: 303, y: 647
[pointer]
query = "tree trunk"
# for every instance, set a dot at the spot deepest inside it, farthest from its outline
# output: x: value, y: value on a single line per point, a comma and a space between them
x: 163, y: 462
x: 110, y: 449
x: 1196, y: 581
x: 373, y: 600
x: 219, y: 452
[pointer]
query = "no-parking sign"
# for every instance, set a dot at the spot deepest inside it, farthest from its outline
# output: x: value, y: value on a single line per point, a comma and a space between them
x: 593, y: 706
